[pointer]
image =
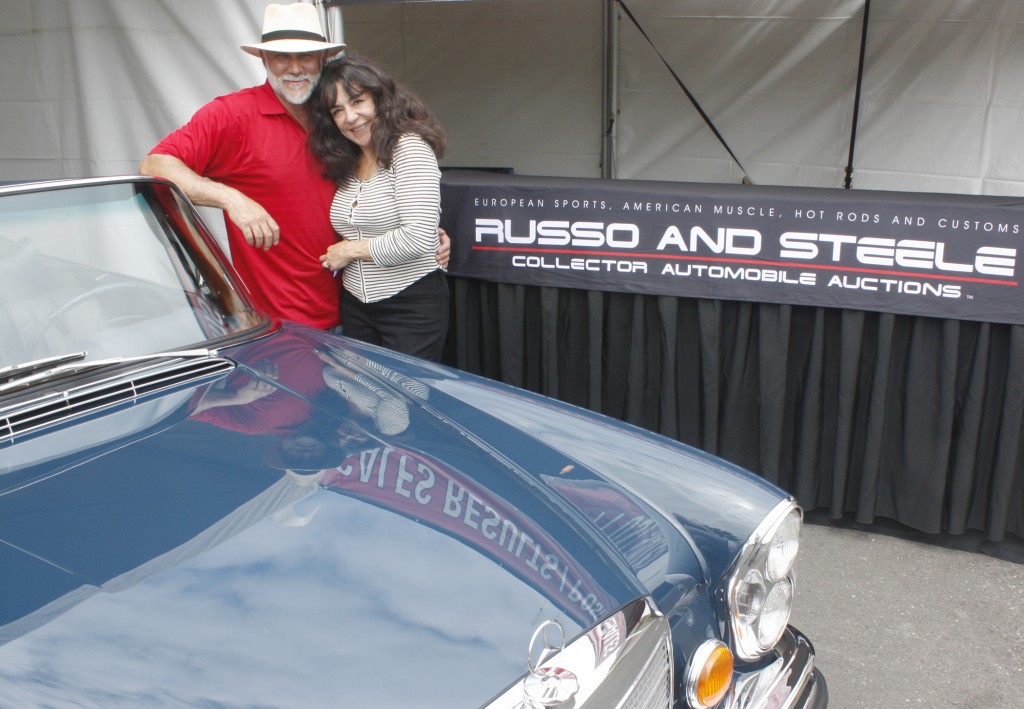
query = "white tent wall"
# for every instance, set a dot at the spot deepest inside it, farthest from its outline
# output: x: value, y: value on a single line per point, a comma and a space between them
x: 943, y: 104
x: 776, y: 78
x: 88, y: 86
x: 940, y: 108
x: 516, y: 83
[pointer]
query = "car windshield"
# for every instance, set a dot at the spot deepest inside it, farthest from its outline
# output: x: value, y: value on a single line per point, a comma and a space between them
x: 110, y: 268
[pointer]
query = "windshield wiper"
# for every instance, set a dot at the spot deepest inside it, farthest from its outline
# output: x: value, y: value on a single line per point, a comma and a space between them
x: 72, y: 364
x: 14, y: 371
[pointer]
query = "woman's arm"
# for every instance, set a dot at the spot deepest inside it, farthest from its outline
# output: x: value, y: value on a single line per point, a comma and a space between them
x: 417, y: 183
x: 417, y: 196
x: 342, y: 253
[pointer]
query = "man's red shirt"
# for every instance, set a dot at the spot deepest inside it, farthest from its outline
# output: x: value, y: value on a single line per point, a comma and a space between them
x: 247, y: 140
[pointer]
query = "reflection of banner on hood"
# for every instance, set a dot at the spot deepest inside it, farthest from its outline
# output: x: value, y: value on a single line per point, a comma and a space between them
x: 952, y: 256
x: 427, y: 490
x: 637, y: 535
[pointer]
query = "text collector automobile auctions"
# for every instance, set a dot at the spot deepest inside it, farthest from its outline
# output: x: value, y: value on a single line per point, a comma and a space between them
x: 947, y: 256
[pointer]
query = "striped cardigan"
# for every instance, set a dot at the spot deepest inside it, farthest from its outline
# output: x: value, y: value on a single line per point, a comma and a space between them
x: 398, y: 210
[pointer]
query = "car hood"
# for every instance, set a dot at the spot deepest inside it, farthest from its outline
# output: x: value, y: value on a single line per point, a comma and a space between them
x: 308, y: 530
x: 330, y: 520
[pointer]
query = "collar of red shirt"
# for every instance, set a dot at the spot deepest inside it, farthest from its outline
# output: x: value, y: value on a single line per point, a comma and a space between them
x: 267, y: 100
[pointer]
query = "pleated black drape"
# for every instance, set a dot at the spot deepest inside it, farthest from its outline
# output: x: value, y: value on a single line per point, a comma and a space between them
x: 868, y: 418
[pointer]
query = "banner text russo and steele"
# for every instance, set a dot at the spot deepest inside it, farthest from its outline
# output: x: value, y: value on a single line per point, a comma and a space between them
x: 857, y: 246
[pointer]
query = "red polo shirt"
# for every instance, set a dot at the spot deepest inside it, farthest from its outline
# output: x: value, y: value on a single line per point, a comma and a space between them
x: 247, y: 140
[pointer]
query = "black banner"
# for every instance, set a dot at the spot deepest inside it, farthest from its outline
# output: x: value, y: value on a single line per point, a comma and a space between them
x: 937, y: 255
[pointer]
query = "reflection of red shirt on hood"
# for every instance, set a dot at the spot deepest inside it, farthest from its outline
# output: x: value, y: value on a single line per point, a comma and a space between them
x: 279, y: 412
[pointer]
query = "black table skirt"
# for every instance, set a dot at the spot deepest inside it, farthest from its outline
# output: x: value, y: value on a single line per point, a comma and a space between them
x: 876, y: 419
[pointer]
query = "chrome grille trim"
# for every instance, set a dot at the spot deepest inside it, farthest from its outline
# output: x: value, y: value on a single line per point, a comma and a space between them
x: 623, y: 662
x: 653, y: 688
x: 54, y: 407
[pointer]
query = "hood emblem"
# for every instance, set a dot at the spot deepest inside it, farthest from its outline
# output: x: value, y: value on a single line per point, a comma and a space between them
x: 548, y: 686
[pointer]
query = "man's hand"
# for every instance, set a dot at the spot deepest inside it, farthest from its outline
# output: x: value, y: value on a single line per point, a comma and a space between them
x: 444, y: 248
x: 259, y: 228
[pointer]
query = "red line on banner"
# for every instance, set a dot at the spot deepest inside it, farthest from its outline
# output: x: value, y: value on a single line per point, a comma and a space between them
x: 753, y: 262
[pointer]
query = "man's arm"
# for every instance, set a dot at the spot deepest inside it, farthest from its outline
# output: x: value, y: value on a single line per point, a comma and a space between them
x: 257, y: 225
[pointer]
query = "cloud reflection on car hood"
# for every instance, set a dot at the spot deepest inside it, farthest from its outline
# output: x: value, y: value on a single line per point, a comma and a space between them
x: 186, y: 564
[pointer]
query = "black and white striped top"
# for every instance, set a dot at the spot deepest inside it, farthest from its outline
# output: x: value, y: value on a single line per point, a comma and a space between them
x: 388, y: 410
x: 398, y: 210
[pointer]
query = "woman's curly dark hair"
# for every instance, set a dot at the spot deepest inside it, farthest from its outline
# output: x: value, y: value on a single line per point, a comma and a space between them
x: 399, y: 111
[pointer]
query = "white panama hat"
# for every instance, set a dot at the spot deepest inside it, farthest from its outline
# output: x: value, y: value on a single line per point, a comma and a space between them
x: 293, y: 28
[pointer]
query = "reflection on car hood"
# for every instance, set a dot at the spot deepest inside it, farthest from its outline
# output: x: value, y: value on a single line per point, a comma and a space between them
x: 307, y: 531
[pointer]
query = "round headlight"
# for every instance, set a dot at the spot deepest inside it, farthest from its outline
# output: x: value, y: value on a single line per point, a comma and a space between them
x: 775, y: 614
x: 759, y: 594
x: 750, y: 597
x: 783, y: 547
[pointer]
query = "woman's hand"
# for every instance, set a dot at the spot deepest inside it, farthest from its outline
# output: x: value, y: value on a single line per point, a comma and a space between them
x: 344, y: 252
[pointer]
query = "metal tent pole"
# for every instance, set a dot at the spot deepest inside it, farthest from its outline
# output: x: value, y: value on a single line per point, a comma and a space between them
x: 330, y: 15
x: 856, y: 94
x: 610, y: 93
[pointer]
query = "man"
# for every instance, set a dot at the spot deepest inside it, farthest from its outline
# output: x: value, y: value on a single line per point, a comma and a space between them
x: 245, y: 153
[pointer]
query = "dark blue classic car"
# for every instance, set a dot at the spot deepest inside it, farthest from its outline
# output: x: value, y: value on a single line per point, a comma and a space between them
x: 203, y: 507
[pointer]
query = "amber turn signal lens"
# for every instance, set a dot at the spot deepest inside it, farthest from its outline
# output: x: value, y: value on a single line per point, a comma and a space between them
x: 710, y: 681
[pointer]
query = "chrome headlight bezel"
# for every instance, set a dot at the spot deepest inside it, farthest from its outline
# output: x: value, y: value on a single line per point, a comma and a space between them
x: 759, y: 593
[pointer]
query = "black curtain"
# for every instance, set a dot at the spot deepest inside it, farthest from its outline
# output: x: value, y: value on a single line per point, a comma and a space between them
x: 901, y: 423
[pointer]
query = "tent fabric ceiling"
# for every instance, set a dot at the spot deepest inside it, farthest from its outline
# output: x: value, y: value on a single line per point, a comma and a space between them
x: 90, y: 85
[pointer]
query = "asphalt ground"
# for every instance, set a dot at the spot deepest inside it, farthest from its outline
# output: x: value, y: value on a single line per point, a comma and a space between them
x: 902, y: 623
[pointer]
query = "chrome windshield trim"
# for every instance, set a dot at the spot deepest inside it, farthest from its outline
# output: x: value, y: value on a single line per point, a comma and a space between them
x: 24, y: 368
x: 78, y: 366
x: 71, y: 182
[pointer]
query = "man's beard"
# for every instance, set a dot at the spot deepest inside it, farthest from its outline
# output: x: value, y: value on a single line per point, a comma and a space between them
x: 281, y: 87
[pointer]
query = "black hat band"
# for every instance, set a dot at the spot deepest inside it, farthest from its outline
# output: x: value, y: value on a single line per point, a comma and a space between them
x: 293, y: 34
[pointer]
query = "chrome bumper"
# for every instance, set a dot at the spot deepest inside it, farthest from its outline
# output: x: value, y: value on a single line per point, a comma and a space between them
x: 790, y: 682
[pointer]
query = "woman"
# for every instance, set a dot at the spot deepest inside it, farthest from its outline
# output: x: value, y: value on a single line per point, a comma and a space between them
x: 380, y: 145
